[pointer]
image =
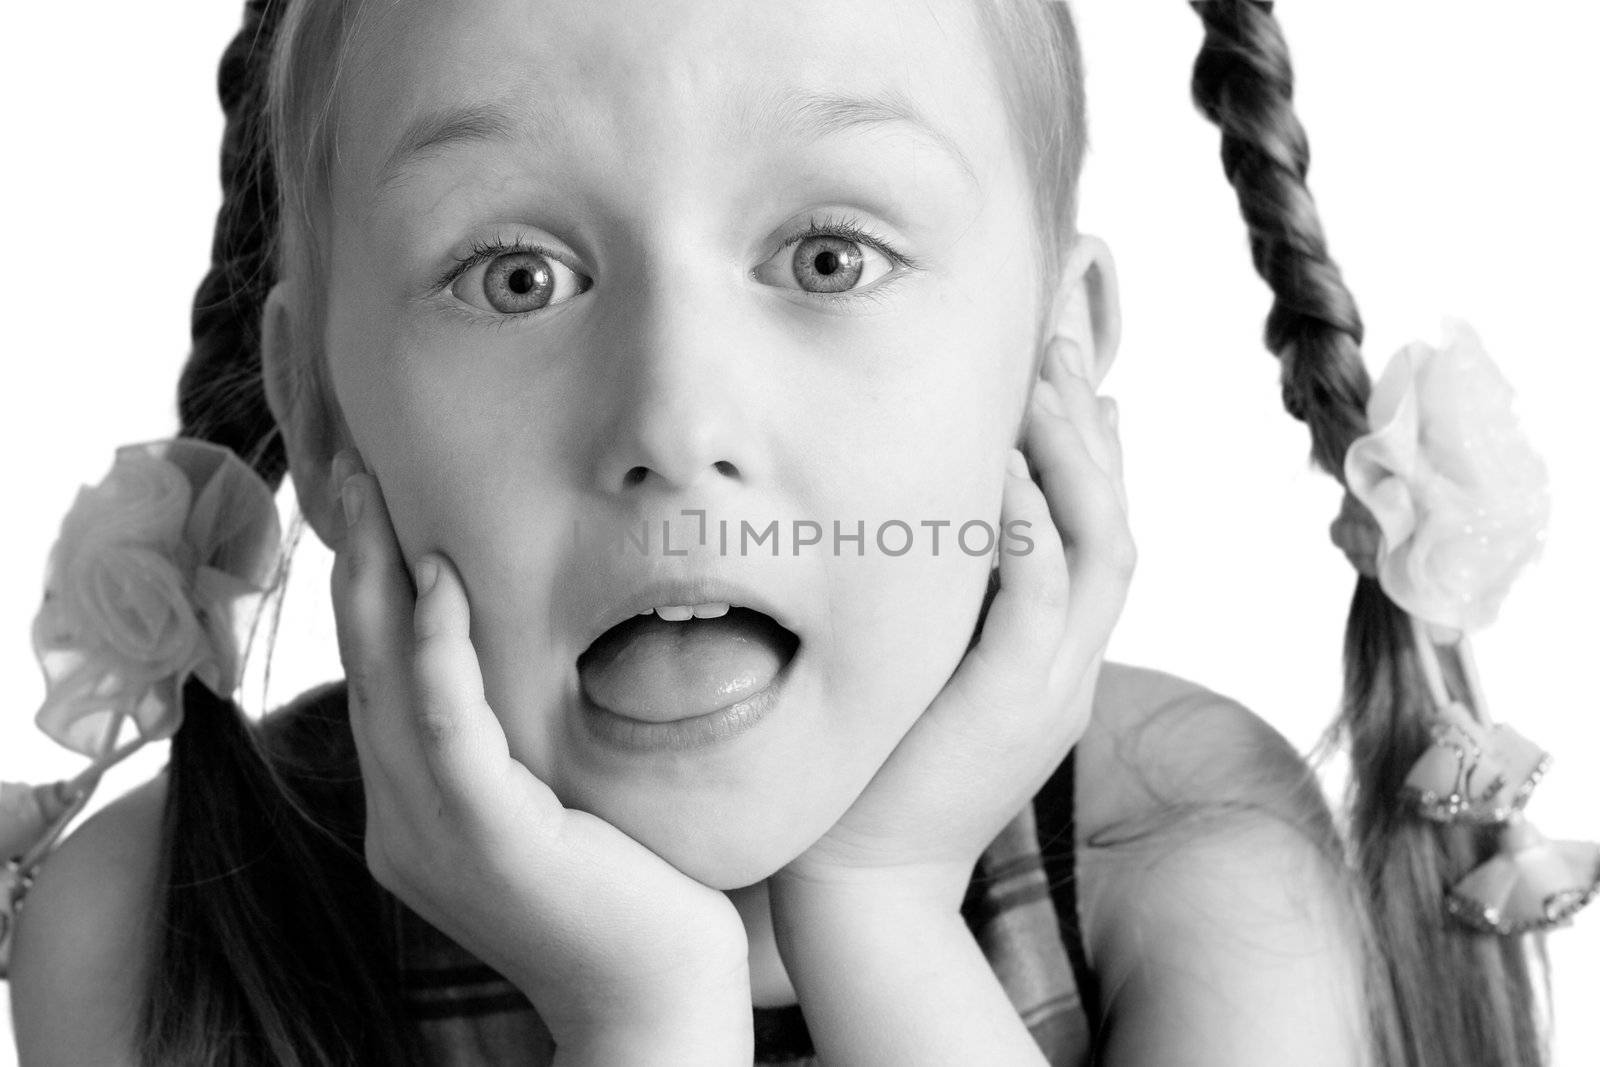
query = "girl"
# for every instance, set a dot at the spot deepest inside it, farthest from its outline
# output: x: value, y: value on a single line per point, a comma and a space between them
x: 483, y: 389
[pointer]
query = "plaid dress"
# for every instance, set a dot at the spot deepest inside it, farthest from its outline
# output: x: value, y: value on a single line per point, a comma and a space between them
x: 1021, y: 905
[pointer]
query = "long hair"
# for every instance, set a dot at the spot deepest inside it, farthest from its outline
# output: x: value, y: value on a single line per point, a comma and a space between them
x: 269, y: 944
x: 288, y: 965
x: 269, y: 950
x: 1449, y: 997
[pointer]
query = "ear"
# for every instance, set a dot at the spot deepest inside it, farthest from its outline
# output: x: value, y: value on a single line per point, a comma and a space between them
x: 1087, y: 311
x: 305, y: 411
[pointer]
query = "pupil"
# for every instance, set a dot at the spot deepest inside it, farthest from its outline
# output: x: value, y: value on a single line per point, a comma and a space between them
x: 521, y: 281
x: 827, y: 262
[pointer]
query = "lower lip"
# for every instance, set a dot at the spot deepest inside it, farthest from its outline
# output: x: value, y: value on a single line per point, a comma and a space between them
x: 697, y: 731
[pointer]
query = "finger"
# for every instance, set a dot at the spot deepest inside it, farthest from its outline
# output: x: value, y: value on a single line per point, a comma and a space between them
x: 1079, y: 405
x: 1027, y: 620
x: 346, y: 463
x: 374, y: 779
x: 1088, y: 515
x: 372, y: 613
x: 1013, y: 665
x: 1095, y: 416
x: 1108, y: 422
x: 377, y: 783
x: 461, y: 740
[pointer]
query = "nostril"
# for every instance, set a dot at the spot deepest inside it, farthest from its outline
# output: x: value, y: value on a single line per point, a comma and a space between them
x: 638, y: 474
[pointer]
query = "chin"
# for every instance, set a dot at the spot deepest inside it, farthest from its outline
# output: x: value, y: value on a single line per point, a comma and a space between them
x: 720, y: 862
x: 727, y: 844
x: 733, y: 869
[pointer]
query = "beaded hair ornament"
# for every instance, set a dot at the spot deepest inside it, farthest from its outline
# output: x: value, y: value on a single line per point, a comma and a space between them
x: 1447, y: 503
x: 156, y: 577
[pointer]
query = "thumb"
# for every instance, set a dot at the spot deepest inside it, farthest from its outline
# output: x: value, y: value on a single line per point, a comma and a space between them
x: 462, y: 741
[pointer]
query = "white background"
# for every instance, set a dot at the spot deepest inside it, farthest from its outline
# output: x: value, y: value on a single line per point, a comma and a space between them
x: 1455, y: 165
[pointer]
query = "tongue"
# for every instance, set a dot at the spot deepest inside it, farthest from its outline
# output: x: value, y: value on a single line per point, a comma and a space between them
x: 659, y: 671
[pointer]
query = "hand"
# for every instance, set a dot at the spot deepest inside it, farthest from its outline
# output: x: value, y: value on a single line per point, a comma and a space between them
x: 1021, y: 696
x: 597, y: 930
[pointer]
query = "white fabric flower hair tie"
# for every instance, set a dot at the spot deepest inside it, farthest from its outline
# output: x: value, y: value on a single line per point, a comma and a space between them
x: 1447, y: 503
x: 156, y: 576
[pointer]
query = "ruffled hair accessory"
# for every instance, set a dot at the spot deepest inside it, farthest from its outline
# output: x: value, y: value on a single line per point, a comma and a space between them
x: 157, y: 575
x: 1447, y: 503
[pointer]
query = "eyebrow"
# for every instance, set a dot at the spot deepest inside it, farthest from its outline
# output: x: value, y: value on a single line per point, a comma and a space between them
x: 803, y: 113
x: 444, y: 127
x: 815, y: 114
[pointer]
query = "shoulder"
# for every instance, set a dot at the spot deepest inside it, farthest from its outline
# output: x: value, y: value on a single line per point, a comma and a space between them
x: 1217, y: 908
x: 1158, y: 746
x: 83, y: 939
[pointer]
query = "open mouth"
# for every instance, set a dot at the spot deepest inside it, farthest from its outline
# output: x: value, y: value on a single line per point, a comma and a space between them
x: 657, y: 669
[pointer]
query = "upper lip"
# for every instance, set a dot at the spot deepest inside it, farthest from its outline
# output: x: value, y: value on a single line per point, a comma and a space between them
x: 683, y: 591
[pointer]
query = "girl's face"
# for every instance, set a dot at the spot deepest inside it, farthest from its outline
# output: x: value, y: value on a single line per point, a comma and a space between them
x: 572, y: 297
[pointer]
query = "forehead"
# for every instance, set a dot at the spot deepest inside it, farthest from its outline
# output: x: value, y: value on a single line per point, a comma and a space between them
x: 612, y: 79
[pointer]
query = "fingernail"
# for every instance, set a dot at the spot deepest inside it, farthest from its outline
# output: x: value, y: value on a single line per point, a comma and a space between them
x: 350, y: 494
x: 1059, y: 349
x: 344, y: 465
x: 1049, y: 399
x: 1109, y: 406
x: 426, y: 573
x: 1058, y: 353
x: 1017, y: 464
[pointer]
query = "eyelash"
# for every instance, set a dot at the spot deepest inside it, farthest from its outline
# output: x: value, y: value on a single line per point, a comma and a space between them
x: 846, y: 228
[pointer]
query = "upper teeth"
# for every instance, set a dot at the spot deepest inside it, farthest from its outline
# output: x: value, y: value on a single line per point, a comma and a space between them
x: 682, y: 612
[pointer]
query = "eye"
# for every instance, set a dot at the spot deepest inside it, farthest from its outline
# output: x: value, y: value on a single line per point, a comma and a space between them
x: 514, y: 280
x: 837, y: 259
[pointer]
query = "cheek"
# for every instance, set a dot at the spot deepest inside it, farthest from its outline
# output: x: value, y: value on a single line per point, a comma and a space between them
x: 902, y: 613
x: 925, y: 472
x: 435, y: 421
x: 459, y: 478
x: 908, y: 441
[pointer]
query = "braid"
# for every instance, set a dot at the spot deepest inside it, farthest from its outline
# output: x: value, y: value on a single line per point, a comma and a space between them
x: 1438, y: 996
x: 1243, y: 83
x: 221, y: 396
x: 270, y: 948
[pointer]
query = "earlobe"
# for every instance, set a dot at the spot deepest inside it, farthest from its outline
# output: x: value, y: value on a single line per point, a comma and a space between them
x: 1088, y: 310
x: 311, y: 433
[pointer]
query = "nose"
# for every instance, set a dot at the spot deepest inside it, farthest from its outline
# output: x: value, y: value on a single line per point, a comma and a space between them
x: 684, y: 398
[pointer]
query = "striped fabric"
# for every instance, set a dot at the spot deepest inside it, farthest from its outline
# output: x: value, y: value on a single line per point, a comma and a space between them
x: 1016, y: 923
x: 467, y: 1015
